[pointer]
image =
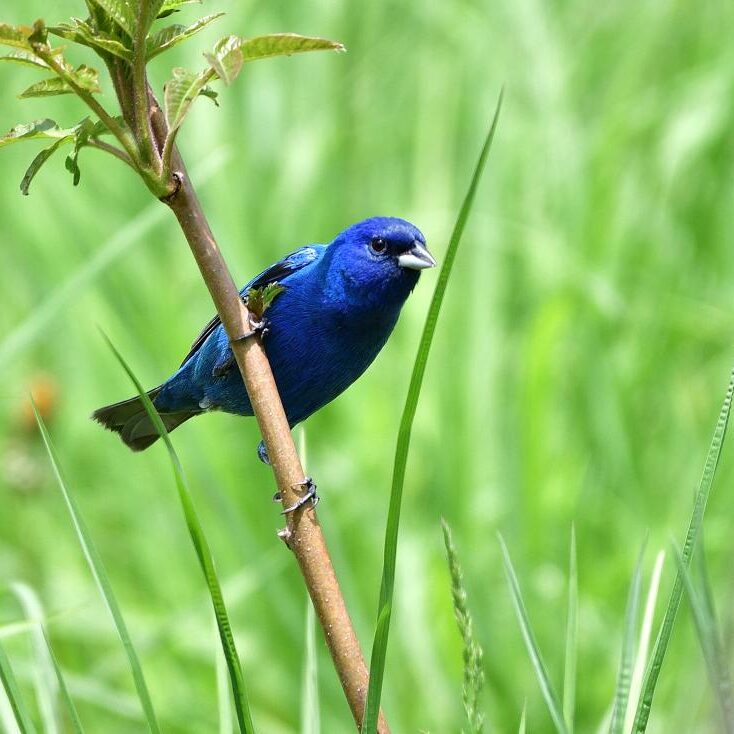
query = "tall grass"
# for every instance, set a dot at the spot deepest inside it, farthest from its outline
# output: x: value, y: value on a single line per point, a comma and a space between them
x: 573, y: 376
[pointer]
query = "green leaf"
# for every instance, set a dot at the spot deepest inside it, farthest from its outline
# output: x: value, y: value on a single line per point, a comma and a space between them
x: 258, y: 300
x: 83, y: 134
x: 203, y: 554
x: 172, y: 35
x: 97, y: 568
x: 174, y: 6
x: 38, y: 129
x: 15, y: 36
x: 231, y: 52
x: 212, y: 94
x: 226, y: 59
x: 22, y: 717
x: 37, y: 162
x: 180, y: 92
x: 627, y: 659
x: 694, y: 527
x: 377, y: 663
x: 84, y: 77
x: 709, y: 637
x: 569, y: 672
x: 123, y: 12
x: 26, y: 58
x: 81, y: 32
x: 541, y: 672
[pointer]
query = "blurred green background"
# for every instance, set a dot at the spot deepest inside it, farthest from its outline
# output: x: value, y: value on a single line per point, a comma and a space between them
x: 577, y: 371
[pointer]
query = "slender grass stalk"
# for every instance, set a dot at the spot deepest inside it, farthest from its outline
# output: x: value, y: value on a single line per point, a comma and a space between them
x: 44, y: 678
x: 643, y: 645
x: 541, y: 672
x: 310, y: 709
x: 22, y: 717
x: 76, y: 723
x: 627, y: 660
x: 100, y: 576
x: 694, y: 527
x: 521, y: 728
x: 203, y: 554
x: 382, y: 628
x: 473, y: 653
x: 224, y: 690
x: 569, y: 670
x: 709, y: 637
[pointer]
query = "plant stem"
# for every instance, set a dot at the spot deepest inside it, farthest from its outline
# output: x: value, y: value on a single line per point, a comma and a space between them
x: 140, y: 88
x: 112, y: 150
x: 303, y: 533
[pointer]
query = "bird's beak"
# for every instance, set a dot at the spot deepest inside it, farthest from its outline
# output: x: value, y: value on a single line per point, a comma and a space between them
x: 417, y: 258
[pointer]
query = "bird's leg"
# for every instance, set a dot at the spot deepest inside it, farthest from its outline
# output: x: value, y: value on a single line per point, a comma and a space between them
x: 258, y: 327
x: 309, y: 496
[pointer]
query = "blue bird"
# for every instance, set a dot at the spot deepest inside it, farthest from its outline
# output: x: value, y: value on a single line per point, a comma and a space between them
x: 340, y: 304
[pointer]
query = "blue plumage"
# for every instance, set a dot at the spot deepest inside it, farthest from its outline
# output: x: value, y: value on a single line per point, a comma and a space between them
x: 340, y: 304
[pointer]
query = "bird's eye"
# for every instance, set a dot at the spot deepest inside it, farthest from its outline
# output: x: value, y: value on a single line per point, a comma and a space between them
x: 378, y: 245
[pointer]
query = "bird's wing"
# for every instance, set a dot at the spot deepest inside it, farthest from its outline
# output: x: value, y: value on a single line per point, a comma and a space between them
x: 279, y: 272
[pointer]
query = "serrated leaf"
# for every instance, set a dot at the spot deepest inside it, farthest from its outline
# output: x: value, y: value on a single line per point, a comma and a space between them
x: 180, y: 92
x: 231, y: 52
x: 285, y: 44
x: 173, y: 6
x: 15, y: 36
x: 81, y: 32
x: 226, y: 59
x: 172, y: 35
x: 26, y: 58
x: 260, y: 299
x: 84, y: 76
x: 44, y: 129
x: 38, y: 161
x: 100, y: 128
x: 123, y: 12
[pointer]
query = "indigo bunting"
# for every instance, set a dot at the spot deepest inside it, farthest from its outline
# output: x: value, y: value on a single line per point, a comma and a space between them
x: 339, y: 305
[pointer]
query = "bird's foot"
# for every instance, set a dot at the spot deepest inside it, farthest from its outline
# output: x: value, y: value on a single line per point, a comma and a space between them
x: 258, y: 327
x: 309, y: 495
x: 262, y: 453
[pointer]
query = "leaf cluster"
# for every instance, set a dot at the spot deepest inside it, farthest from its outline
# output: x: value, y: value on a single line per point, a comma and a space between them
x: 126, y: 35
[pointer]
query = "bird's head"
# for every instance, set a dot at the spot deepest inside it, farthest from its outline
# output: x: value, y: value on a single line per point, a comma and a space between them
x: 378, y: 260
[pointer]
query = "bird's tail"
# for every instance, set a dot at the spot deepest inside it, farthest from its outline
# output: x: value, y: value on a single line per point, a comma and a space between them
x: 130, y: 419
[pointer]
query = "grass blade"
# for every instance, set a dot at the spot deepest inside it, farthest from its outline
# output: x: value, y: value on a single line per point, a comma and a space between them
x: 473, y: 653
x: 224, y: 690
x: 103, y: 583
x: 694, y: 527
x: 76, y: 723
x: 45, y: 681
x: 22, y: 717
x: 310, y: 710
x: 569, y: 671
x: 627, y: 660
x: 546, y: 687
x: 521, y: 728
x: 709, y: 637
x: 379, y: 645
x: 643, y: 646
x: 203, y: 554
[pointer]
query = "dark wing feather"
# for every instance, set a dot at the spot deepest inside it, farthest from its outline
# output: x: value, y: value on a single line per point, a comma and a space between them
x: 279, y: 272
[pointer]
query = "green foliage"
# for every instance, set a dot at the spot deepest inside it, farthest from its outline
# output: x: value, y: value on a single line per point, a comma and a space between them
x: 694, y: 528
x: 473, y: 654
x: 96, y: 566
x: 627, y: 659
x: 204, y: 556
x: 541, y: 672
x: 172, y: 35
x: 83, y: 77
x: 260, y: 299
x: 569, y: 671
x: 382, y: 627
x: 709, y: 636
x: 82, y: 32
x: 7, y: 677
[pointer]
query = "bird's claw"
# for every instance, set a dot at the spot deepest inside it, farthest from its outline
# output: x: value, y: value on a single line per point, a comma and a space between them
x: 258, y: 327
x: 309, y: 496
